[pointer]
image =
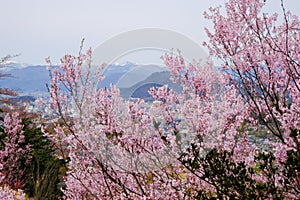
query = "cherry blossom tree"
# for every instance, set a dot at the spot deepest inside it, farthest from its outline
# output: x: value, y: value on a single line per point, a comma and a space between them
x: 7, y: 194
x: 261, y: 58
x: 14, y: 157
x: 196, y: 144
x: 14, y: 154
x: 130, y: 149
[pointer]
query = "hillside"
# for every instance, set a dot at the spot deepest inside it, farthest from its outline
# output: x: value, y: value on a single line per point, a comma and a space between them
x: 157, y: 78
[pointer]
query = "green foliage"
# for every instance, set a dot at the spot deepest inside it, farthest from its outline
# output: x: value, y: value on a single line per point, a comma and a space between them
x: 232, y: 180
x: 236, y: 180
x: 45, y: 169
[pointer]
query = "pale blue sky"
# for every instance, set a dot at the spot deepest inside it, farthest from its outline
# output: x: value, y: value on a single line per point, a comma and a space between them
x: 38, y: 29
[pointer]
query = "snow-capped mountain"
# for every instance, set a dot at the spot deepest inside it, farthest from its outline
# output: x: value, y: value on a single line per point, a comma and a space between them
x: 10, y: 65
x: 128, y: 74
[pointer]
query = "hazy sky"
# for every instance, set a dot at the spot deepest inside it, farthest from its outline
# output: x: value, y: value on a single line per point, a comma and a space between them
x: 40, y: 28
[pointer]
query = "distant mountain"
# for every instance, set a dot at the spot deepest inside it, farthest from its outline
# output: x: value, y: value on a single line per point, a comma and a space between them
x: 142, y: 91
x: 32, y: 80
x: 137, y: 74
x: 155, y: 79
x: 19, y: 99
x: 114, y: 72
